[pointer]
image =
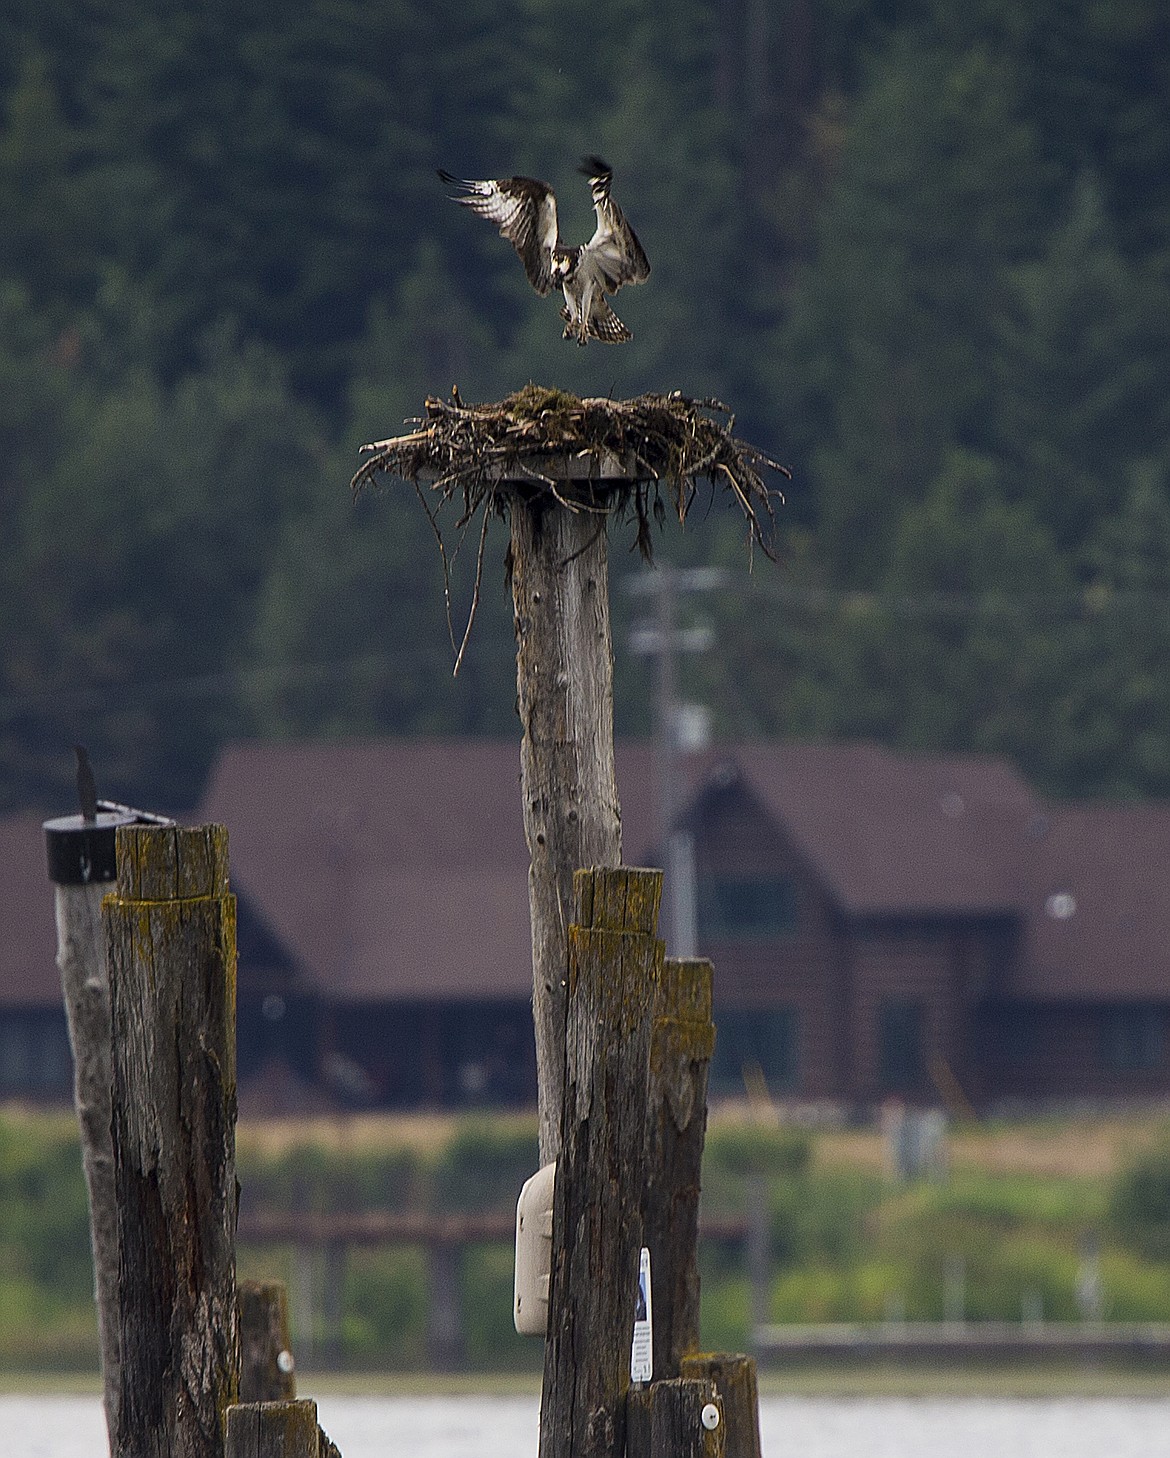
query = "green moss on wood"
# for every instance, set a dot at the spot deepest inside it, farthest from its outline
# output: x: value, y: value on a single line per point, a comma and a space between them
x: 171, y: 862
x: 686, y: 990
x: 536, y: 401
x: 734, y: 1378
x: 680, y: 1040
x: 266, y: 1429
x: 664, y: 1420
x: 620, y: 898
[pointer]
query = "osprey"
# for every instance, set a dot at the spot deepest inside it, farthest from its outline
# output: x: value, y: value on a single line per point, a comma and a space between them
x: 525, y: 211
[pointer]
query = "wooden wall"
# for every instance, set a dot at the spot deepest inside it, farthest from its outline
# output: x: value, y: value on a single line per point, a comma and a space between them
x: 804, y: 969
x: 1069, y: 1051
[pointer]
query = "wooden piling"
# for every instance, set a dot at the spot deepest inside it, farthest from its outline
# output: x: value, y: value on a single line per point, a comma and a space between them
x: 666, y: 1420
x: 680, y: 1054
x: 171, y: 950
x: 81, y: 858
x: 564, y: 687
x: 81, y: 957
x: 615, y: 964
x: 734, y: 1379
x: 276, y: 1430
x: 266, y: 1362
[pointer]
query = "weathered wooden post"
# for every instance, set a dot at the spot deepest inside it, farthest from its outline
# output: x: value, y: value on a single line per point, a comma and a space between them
x: 266, y: 1363
x: 680, y: 1054
x: 663, y: 1419
x: 733, y: 1376
x: 81, y: 855
x: 171, y: 950
x: 270, y: 1421
x: 615, y: 964
x: 564, y: 687
x: 558, y: 467
x: 81, y: 865
x: 276, y: 1430
x: 678, y: 1417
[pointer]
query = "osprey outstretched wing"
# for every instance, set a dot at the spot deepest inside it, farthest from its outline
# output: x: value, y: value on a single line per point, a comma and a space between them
x: 525, y: 211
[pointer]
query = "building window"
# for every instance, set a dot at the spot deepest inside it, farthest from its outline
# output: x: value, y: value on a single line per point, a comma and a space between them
x: 1132, y: 1039
x: 56, y: 1062
x: 16, y: 1055
x: 747, y: 907
x: 901, y: 1064
x: 34, y: 1054
x: 1019, y: 1037
x: 754, y: 1043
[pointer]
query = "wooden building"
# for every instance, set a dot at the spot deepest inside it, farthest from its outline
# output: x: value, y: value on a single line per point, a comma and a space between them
x: 35, y: 1062
x: 920, y: 926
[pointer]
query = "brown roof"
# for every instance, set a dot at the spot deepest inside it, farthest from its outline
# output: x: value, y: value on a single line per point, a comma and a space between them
x: 398, y: 867
x: 386, y: 865
x: 894, y: 834
x: 401, y: 865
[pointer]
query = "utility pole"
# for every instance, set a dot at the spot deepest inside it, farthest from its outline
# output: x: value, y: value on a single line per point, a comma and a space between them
x: 662, y: 639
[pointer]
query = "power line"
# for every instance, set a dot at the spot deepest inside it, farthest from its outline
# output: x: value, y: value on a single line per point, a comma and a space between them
x: 1088, y: 604
x: 195, y: 686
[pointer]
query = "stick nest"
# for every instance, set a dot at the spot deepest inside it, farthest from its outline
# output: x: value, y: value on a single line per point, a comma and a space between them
x: 655, y: 449
x: 636, y: 459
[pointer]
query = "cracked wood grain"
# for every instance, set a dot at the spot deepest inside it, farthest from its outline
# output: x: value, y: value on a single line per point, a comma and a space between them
x: 564, y: 683
x: 171, y: 951
x: 614, y: 971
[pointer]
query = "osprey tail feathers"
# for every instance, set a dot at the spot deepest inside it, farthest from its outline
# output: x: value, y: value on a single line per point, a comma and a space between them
x: 603, y: 324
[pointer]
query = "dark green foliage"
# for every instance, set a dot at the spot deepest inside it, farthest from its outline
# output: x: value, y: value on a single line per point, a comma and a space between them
x: 921, y: 249
x: 733, y: 1152
x: 845, y: 1244
x: 318, y: 1177
x: 1083, y: 352
x: 885, y: 356
x: 484, y: 1165
x: 44, y: 1233
x: 1140, y: 1204
x: 821, y: 1221
x: 491, y: 1340
x: 140, y: 525
x: 479, y: 1163
x: 385, y: 1306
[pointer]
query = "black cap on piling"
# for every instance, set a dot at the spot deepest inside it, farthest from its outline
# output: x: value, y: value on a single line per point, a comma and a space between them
x: 81, y: 850
x: 81, y: 847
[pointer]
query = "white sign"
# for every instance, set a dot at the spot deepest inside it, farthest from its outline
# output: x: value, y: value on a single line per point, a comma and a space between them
x: 642, y: 1352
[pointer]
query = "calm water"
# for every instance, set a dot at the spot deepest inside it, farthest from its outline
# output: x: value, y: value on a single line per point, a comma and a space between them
x: 792, y: 1427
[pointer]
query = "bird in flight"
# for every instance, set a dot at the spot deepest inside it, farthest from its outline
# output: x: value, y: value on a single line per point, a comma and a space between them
x: 525, y: 211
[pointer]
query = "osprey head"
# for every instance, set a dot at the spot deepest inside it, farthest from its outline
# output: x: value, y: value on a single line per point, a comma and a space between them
x: 564, y: 263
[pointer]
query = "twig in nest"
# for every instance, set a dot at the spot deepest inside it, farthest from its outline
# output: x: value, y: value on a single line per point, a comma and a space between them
x: 541, y: 444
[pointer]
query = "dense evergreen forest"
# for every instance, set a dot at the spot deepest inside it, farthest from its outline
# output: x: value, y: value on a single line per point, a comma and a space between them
x: 922, y: 249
